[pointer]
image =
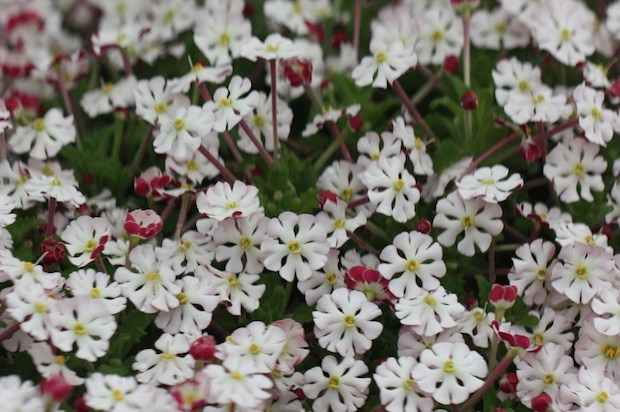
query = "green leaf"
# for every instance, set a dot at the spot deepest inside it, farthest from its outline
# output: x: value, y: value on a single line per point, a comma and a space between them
x: 132, y: 327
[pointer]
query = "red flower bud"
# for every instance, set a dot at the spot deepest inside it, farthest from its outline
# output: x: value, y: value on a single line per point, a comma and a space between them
x: 471, y: 302
x: 297, y: 71
x: 150, y: 182
x: 469, y: 101
x: 326, y: 195
x: 451, y: 64
x: 143, y: 223
x: 338, y: 38
x: 368, y: 281
x: 192, y: 394
x: 316, y: 30
x: 356, y: 122
x: 56, y: 388
x: 423, y: 226
x: 248, y: 9
x: 203, y: 348
x: 508, y: 383
x: 52, y: 250
x: 529, y: 150
x: 80, y: 405
x: 503, y: 297
x: 614, y: 89
x: 541, y: 403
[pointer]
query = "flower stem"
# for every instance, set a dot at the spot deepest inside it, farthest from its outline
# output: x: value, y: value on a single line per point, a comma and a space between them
x: 337, y: 142
x: 185, y: 201
x: 261, y: 149
x: 467, y: 72
x: 428, y: 87
x: 226, y: 174
x: 273, y: 66
x: 119, y: 123
x: 497, y: 146
x: 100, y: 265
x: 495, y: 374
x: 49, y: 228
x: 358, y: 202
x: 133, y: 242
x: 10, y: 331
x: 2, y: 147
x: 64, y: 91
x: 126, y: 62
x: 412, y: 110
x: 142, y: 149
x: 491, y: 253
x: 362, y: 244
x: 357, y: 22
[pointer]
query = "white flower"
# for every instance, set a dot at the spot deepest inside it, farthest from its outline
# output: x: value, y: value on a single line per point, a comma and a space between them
x: 29, y: 304
x: 415, y: 258
x: 260, y: 122
x: 111, y: 392
x: 436, y: 183
x: 440, y: 35
x: 512, y: 76
x: 544, y: 371
x: 335, y: 217
x: 429, y: 313
x: 236, y: 290
x: 196, y: 305
x: 231, y: 104
x: 329, y: 115
x: 337, y: 386
x: 392, y: 188
x: 109, y: 96
x: 274, y: 47
x: 196, y: 168
x: 477, y: 220
x: 154, y: 99
x: 20, y: 396
x: 341, y: 177
x: 59, y: 184
x: 15, y: 269
x: 200, y: 73
x: 222, y: 201
x: 81, y: 321
x: 538, y: 105
x: 234, y: 382
x: 298, y: 240
x: 597, y: 122
x: 296, y: 348
x: 421, y: 160
x: 44, y: 137
x: 398, y: 390
x: 607, y: 306
x: 99, y: 287
x: 167, y: 367
x: 489, y: 183
x: 85, y: 238
x: 496, y: 29
x: 186, y: 254
x: 323, y: 281
x: 477, y: 324
x: 151, y: 289
x: 552, y: 327
x: 575, y: 163
x: 259, y: 345
x: 49, y: 364
x: 294, y: 16
x: 600, y: 353
x: 587, y: 270
x: 531, y: 269
x: 450, y: 372
x: 387, y: 63
x: 239, y: 240
x: 343, y: 322
x: 221, y: 33
x: 594, y: 391
x: 180, y: 134
x: 376, y: 147
x: 595, y: 75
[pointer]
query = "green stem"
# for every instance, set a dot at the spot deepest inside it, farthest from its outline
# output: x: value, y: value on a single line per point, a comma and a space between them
x: 428, y: 87
x: 119, y: 123
x: 137, y: 161
x: 339, y: 139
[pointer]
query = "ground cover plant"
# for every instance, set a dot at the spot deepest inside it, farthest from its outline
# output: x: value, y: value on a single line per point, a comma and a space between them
x: 309, y: 205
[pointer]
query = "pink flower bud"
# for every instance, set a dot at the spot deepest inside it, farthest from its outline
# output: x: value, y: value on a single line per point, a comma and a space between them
x: 325, y: 196
x: 203, y: 348
x: 370, y: 282
x: 356, y: 122
x: 297, y: 71
x: 143, y: 223
x: 541, y: 403
x: 529, y: 150
x: 150, y: 182
x: 192, y: 394
x: 56, y: 388
x: 508, y: 383
x: 52, y: 250
x: 451, y: 64
x: 469, y: 101
x: 423, y: 226
x: 471, y: 302
x: 503, y: 297
x: 80, y: 405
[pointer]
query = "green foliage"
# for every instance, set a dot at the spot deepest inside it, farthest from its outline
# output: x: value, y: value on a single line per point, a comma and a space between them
x: 132, y: 327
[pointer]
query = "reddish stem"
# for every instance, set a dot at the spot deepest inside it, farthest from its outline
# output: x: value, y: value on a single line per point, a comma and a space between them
x: 261, y: 149
x: 49, y: 229
x: 357, y: 22
x: 8, y: 332
x: 336, y: 134
x: 273, y: 66
x: 500, y: 368
x: 226, y: 174
x: 411, y: 109
x: 358, y: 202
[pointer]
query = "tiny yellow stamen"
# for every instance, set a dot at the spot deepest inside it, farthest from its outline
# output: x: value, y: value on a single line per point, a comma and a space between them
x: 380, y: 57
x: 259, y: 120
x: 79, y: 329
x: 539, y: 338
x: 500, y: 28
x: 232, y: 205
x: 246, y: 243
x: 331, y: 278
x: 541, y: 274
x: 349, y: 321
x: 479, y: 316
x: 185, y: 246
x: 436, y: 35
x: 429, y: 300
x: 566, y: 35
x: 448, y: 366
x: 191, y: 165
x: 90, y: 246
x: 59, y: 360
x: 294, y: 247
x: 467, y: 222
x: 338, y: 224
x: 524, y: 85
x: 153, y: 277
x: 602, y: 396
x: 539, y: 98
x: 549, y: 379
x: 334, y: 382
x: 196, y: 67
x: 419, y: 143
x: 254, y: 349
x: 95, y: 293
x: 488, y: 181
x: 182, y: 298
x: 232, y: 281
x: 28, y: 267
x: 117, y: 395
x: 398, y: 185
x: 107, y: 88
x: 412, y: 265
x: 610, y: 352
x: 582, y: 272
x: 225, y: 102
x: 596, y: 113
x: 56, y: 182
x: 346, y: 194
x: 40, y: 308
x: 179, y: 124
x: 408, y: 384
x: 167, y: 356
x: 224, y: 39
x: 272, y: 48
x: 236, y: 376
x: 161, y: 107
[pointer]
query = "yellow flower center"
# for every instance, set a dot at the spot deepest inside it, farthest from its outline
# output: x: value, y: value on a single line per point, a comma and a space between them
x: 231, y: 205
x: 167, y: 356
x: 40, y: 308
x: 338, y: 224
x: 236, y: 376
x: 331, y: 278
x: 488, y: 181
x: 28, y: 267
x: 121, y: 37
x: 258, y: 120
x: 294, y: 247
x: 59, y: 360
x: 539, y: 98
x: 297, y: 7
x: 168, y: 16
x: 232, y: 281
x: 566, y: 35
x: 596, y: 113
x: 398, y: 185
x: 179, y: 124
x: 79, y: 329
x: 478, y: 316
x: 254, y: 349
x: 582, y: 272
x: 90, y: 246
x: 272, y: 48
x: 117, y: 395
x: 153, y: 276
x: 107, y: 88
x: 412, y: 265
x: 225, y: 102
x: 182, y: 298
x: 524, y: 85
x: 541, y: 274
x: 346, y: 194
x: 436, y: 35
x: 196, y: 67
x: 610, y: 352
x: 246, y: 243
x: 161, y: 107
x: 549, y: 379
x: 602, y: 396
x: 419, y: 143
x: 448, y: 366
x: 349, y: 321
x: 95, y: 293
x: 185, y: 246
x: 56, y: 182
x: 47, y: 171
x: 224, y: 39
x: 589, y: 239
x: 408, y: 384
x: 380, y: 57
x: 500, y: 28
x: 334, y: 382
x: 467, y: 222
x: 191, y: 165
x: 429, y: 300
x: 539, y: 338
x: 375, y: 156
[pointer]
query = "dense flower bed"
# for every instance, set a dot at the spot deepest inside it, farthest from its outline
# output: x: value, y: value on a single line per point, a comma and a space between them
x: 320, y: 205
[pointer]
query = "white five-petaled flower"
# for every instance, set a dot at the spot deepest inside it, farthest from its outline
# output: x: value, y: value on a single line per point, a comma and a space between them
x: 84, y: 322
x: 397, y: 388
x: 337, y: 386
x: 45, y: 136
x: 537, y: 105
x: 492, y: 184
x: 343, y: 322
x: 274, y: 47
x: 222, y: 201
x: 298, y: 240
x: 154, y: 99
x: 575, y: 163
x: 180, y: 134
x: 109, y: 96
x: 429, y: 313
x: 415, y: 258
x: 531, y: 269
x: 440, y: 35
x: 387, y: 63
x: 166, y: 367
x: 239, y: 240
x: 335, y: 217
x: 236, y: 290
x: 230, y: 104
x: 29, y: 304
x: 392, y: 188
x: 598, y: 123
x: 450, y: 372
x: 260, y: 122
x: 477, y: 220
x: 111, y: 392
x: 221, y: 34
x: 607, y: 306
x: 512, y: 76
x: 85, y: 239
x: 98, y: 286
